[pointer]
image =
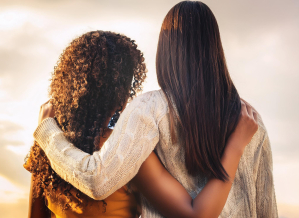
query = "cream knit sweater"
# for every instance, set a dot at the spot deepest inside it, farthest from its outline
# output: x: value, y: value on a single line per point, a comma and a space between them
x: 143, y: 127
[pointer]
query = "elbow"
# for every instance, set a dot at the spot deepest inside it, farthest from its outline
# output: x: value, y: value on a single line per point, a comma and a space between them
x: 97, y: 191
x: 96, y: 195
x: 91, y: 187
x: 202, y: 215
x: 205, y: 213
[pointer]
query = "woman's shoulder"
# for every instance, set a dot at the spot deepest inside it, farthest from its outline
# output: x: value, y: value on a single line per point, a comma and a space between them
x: 262, y: 128
x: 150, y: 103
x: 260, y: 136
x: 151, y: 97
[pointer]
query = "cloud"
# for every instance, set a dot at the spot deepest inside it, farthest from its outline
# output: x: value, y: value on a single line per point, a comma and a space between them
x: 11, y: 164
x: 259, y: 38
x: 13, y: 210
x: 10, y: 193
x: 24, y: 60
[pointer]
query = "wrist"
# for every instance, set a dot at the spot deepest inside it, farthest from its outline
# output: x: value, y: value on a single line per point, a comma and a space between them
x: 230, y: 159
x: 233, y: 148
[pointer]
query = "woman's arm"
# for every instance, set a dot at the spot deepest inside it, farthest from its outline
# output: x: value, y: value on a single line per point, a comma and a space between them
x: 37, y: 206
x: 98, y: 175
x: 172, y: 200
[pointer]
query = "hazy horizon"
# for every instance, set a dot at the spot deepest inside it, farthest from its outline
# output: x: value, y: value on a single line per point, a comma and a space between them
x: 260, y: 40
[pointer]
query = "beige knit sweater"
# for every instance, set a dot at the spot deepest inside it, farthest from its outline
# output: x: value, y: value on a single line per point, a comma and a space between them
x: 143, y: 127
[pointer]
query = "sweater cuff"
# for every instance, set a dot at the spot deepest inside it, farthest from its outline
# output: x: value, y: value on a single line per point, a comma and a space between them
x: 44, y: 132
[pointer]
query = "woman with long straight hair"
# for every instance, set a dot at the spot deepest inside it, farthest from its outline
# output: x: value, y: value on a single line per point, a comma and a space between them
x: 190, y: 123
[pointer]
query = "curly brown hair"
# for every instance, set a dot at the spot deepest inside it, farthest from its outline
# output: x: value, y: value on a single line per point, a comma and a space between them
x: 95, y: 76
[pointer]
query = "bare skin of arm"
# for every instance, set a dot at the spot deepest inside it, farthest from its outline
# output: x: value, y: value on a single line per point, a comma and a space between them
x: 172, y: 200
x: 37, y: 206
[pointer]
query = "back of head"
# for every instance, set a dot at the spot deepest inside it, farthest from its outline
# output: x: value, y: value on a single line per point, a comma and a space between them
x: 192, y: 72
x: 92, y: 79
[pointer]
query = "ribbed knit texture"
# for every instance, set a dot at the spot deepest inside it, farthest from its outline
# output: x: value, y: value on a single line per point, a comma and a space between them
x: 143, y: 127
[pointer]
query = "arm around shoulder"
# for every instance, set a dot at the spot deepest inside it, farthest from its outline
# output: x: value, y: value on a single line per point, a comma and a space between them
x: 102, y: 173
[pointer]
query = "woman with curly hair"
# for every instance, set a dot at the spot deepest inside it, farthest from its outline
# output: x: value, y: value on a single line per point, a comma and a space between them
x: 95, y: 76
x: 197, y: 125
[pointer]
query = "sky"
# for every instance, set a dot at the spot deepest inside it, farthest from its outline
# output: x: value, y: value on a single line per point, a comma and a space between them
x: 260, y: 40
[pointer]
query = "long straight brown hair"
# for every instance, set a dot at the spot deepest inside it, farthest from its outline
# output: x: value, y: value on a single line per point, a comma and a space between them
x: 192, y: 72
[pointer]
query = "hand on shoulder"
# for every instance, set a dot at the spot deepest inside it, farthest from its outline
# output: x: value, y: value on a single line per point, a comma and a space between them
x: 245, y: 129
x: 46, y: 110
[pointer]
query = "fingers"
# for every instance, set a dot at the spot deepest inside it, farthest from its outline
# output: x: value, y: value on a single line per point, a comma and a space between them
x: 46, y: 110
x: 253, y: 109
x: 47, y: 107
x: 246, y: 102
x: 255, y: 115
x: 249, y: 110
x: 243, y: 109
x: 44, y: 104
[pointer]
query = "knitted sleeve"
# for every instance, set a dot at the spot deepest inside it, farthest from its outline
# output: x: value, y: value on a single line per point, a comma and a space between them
x: 102, y: 173
x: 265, y: 194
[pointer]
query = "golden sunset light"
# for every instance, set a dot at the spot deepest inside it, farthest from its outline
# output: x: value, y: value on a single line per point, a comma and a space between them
x: 260, y: 40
